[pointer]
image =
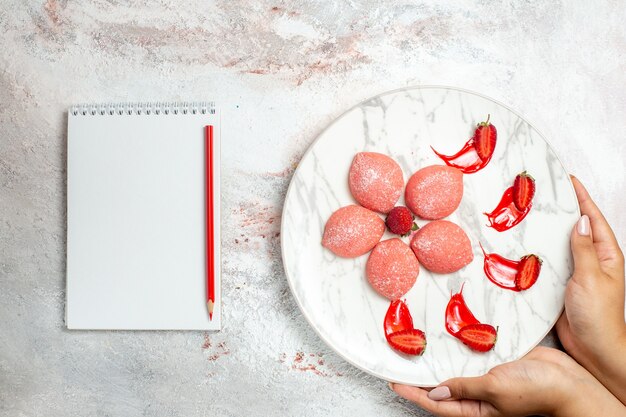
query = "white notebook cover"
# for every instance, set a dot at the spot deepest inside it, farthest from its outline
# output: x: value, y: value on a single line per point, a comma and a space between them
x: 136, y: 217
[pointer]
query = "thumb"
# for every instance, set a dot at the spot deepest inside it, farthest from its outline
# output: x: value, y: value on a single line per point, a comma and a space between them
x: 471, y: 388
x: 585, y: 257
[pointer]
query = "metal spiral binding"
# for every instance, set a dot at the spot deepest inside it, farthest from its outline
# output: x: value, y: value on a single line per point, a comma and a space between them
x: 141, y: 109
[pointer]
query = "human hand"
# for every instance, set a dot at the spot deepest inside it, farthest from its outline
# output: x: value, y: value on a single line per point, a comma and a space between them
x: 592, y: 327
x: 546, y: 381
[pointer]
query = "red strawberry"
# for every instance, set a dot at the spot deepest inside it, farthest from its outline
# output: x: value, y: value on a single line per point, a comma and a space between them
x: 400, y: 221
x: 523, y: 191
x: 479, y: 337
x: 411, y: 342
x: 485, y: 137
x: 527, y: 272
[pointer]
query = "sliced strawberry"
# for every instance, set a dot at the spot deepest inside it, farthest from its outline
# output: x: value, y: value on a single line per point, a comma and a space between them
x: 479, y: 337
x: 527, y: 272
x: 398, y: 318
x: 485, y: 137
x: 523, y: 191
x: 400, y: 221
x: 411, y: 342
x: 458, y: 315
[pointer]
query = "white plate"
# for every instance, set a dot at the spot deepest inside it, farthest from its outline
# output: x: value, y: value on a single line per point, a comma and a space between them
x: 333, y: 292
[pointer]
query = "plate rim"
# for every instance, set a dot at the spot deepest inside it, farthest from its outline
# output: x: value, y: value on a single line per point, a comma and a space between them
x: 309, y: 150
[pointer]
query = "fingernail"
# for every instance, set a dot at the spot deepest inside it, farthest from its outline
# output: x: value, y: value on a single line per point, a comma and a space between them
x: 440, y: 393
x: 583, y: 225
x: 391, y: 386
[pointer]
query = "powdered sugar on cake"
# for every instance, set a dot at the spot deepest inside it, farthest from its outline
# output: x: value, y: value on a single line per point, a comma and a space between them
x: 392, y: 268
x: 375, y: 181
x: 434, y: 192
x: 352, y: 231
x: 442, y: 247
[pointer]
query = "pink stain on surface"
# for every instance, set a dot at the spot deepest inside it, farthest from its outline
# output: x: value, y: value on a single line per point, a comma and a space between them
x: 281, y: 10
x: 343, y: 56
x: 239, y: 46
x: 313, y: 363
x: 52, y: 10
x: 285, y: 172
x: 217, y: 351
x: 207, y: 342
x: 259, y: 225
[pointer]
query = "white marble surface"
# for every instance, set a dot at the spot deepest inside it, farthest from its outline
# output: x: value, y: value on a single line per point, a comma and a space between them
x: 333, y: 292
x: 282, y: 72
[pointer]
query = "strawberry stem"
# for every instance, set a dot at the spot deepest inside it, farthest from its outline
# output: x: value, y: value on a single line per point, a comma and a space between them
x: 485, y: 123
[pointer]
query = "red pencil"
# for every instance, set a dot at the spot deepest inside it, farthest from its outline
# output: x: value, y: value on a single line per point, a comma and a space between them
x: 209, y: 207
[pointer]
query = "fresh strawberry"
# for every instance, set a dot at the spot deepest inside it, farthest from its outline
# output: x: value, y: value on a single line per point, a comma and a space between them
x: 400, y: 221
x: 479, y: 337
x: 411, y: 342
x: 523, y: 191
x: 527, y: 272
x: 485, y: 137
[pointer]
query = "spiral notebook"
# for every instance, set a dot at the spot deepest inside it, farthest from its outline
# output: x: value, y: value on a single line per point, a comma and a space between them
x: 136, y: 250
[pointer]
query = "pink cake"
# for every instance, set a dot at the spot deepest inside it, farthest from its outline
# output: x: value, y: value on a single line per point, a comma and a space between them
x: 352, y: 231
x: 375, y: 181
x: 434, y: 192
x: 442, y: 247
x: 392, y: 268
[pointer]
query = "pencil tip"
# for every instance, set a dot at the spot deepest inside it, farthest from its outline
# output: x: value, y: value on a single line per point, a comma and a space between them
x: 209, y: 306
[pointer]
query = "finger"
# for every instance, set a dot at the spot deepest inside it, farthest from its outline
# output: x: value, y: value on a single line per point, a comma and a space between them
x: 454, y: 408
x: 602, y: 232
x: 473, y: 388
x: 607, y: 249
x: 583, y: 250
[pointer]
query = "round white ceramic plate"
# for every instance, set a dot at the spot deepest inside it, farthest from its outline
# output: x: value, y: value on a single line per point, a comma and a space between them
x: 334, y: 294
